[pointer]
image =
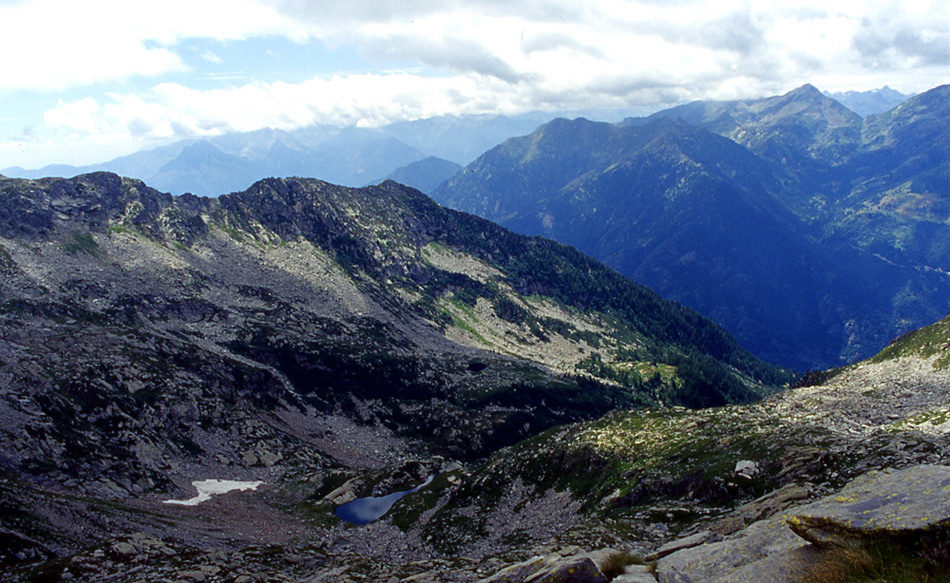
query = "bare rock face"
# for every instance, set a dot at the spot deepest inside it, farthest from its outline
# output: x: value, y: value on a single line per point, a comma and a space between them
x: 879, y: 505
x: 551, y: 569
x: 765, y: 551
x: 577, y: 570
x: 682, y: 543
x: 518, y: 572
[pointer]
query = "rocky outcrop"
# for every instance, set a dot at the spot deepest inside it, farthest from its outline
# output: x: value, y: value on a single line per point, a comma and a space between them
x: 787, y: 496
x: 680, y: 544
x: 761, y: 552
x: 554, y: 568
x: 878, y: 506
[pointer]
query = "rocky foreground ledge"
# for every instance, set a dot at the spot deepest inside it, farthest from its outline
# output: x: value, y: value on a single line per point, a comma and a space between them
x: 860, y: 461
x: 908, y: 509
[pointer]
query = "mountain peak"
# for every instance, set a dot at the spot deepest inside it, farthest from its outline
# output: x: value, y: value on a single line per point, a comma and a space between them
x: 805, y: 92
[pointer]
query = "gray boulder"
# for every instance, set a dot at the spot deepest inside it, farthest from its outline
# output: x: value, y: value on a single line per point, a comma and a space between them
x: 682, y: 543
x: 518, y: 572
x: 551, y: 569
x: 877, y: 505
x: 765, y: 551
x: 570, y: 570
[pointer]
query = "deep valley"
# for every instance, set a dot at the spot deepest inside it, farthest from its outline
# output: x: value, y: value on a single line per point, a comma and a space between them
x: 298, y: 345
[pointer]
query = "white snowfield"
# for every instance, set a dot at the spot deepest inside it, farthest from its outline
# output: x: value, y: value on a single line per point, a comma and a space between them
x: 206, y: 488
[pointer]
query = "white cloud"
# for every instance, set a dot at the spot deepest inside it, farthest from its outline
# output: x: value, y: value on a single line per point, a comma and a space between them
x: 55, y: 44
x: 704, y: 43
x: 171, y: 110
x: 81, y: 116
x: 455, y: 56
x: 707, y: 49
x: 211, y: 57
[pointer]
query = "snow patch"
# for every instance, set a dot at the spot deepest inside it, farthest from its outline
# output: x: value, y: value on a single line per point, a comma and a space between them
x: 206, y: 488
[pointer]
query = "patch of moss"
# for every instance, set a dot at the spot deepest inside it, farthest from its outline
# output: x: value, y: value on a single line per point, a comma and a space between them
x: 235, y: 234
x: 81, y: 243
x: 406, y: 512
x: 463, y: 318
x: 123, y: 229
x: 318, y: 514
x: 616, y: 563
x: 6, y: 260
x: 934, y: 417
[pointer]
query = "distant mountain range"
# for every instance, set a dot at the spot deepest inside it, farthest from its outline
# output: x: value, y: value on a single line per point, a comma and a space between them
x: 347, y: 156
x: 869, y: 102
x: 812, y: 234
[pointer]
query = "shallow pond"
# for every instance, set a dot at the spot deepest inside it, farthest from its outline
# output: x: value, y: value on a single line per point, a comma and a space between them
x: 368, y: 509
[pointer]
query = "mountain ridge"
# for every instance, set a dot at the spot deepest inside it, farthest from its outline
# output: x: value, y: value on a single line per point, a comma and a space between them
x: 335, y: 343
x: 865, y: 103
x: 387, y: 282
x: 424, y: 175
x: 848, y: 231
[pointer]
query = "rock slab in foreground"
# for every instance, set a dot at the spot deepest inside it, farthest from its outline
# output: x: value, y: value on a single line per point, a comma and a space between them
x: 551, y: 569
x: 573, y: 570
x: 879, y: 504
x: 682, y: 543
x: 762, y: 552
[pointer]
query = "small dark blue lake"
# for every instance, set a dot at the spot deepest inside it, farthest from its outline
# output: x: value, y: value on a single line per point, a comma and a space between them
x: 366, y: 510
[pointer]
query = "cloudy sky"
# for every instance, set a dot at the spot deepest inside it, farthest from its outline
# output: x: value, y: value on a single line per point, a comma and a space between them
x: 87, y: 81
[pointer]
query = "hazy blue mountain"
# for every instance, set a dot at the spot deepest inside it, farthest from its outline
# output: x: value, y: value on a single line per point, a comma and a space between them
x: 865, y: 103
x: 426, y: 174
x: 201, y: 168
x: 50, y: 170
x: 522, y: 171
x: 463, y: 138
x: 355, y: 156
x: 745, y: 225
x: 144, y: 163
x: 349, y: 156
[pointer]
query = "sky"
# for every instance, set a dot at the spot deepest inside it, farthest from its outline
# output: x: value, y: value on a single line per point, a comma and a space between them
x: 84, y: 82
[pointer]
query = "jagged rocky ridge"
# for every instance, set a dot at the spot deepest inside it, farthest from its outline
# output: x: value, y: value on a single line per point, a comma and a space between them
x: 302, y: 334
